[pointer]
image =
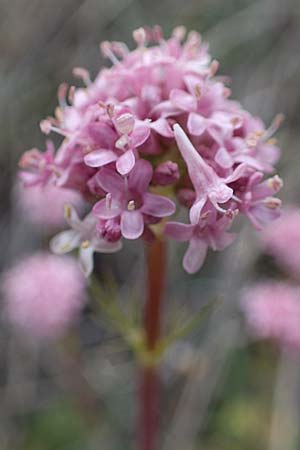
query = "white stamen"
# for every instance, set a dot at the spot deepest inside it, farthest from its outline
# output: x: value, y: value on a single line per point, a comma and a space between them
x: 108, y: 200
x: 179, y: 33
x: 82, y: 73
x: 273, y: 127
x: 131, y: 205
x: 140, y: 36
x: 106, y: 50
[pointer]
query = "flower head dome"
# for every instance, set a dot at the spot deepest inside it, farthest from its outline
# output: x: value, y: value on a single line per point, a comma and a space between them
x: 156, y: 130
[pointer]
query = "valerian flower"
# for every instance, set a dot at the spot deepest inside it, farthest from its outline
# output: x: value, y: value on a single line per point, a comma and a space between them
x: 209, y: 231
x: 156, y: 129
x: 130, y: 200
x: 83, y: 235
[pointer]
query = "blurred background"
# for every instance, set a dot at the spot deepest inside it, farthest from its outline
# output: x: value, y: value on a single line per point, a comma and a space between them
x: 220, y: 389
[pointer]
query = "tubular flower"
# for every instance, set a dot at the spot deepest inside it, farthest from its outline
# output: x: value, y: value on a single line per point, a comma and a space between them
x: 155, y: 129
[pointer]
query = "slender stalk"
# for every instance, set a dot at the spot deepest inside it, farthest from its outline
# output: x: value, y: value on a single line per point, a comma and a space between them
x: 156, y: 270
x: 284, y: 430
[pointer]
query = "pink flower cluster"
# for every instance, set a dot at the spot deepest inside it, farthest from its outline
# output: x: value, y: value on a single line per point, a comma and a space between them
x: 43, y: 294
x: 272, y: 311
x: 155, y: 129
x: 282, y: 240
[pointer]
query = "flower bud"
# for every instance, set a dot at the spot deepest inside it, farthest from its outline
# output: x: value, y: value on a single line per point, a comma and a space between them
x: 166, y: 173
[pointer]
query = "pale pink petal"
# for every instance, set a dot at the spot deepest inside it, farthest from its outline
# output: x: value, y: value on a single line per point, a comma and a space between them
x: 139, y: 135
x: 105, y: 211
x: 261, y: 215
x: 71, y: 216
x: 103, y: 246
x: 110, y: 181
x: 65, y: 242
x: 99, y: 158
x: 162, y: 127
x: 125, y: 162
x: 158, y: 205
x: 223, y: 158
x: 196, y: 124
x: 179, y: 231
x: 196, y: 209
x: 140, y: 176
x: 132, y: 224
x: 195, y: 255
x: 183, y: 100
x: 241, y: 171
x: 202, y: 175
x: 220, y: 194
x: 86, y: 260
x: 165, y: 109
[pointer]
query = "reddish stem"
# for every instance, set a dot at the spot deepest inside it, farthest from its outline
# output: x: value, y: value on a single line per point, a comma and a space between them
x: 156, y: 269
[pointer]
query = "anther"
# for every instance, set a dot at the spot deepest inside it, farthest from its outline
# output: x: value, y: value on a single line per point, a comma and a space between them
x: 131, y: 205
x: 85, y: 244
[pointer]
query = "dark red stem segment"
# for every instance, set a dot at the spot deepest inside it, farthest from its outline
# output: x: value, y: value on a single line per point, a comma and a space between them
x: 156, y: 270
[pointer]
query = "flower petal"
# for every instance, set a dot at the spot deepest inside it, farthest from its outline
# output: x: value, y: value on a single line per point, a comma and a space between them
x: 110, y: 181
x: 140, y: 176
x: 183, y: 100
x: 102, y: 211
x: 162, y: 127
x: 179, y: 231
x: 239, y: 172
x: 65, y: 242
x: 71, y: 216
x: 195, y: 255
x: 139, y: 135
x: 132, y: 224
x: 99, y: 158
x: 196, y: 209
x: 196, y: 124
x: 103, y: 246
x: 158, y: 205
x: 126, y: 162
x: 86, y: 260
x: 223, y: 158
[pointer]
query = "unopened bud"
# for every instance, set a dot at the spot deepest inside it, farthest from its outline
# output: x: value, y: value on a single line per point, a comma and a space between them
x: 166, y: 173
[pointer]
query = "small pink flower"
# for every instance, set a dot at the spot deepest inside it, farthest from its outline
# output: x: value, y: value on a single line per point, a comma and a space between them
x: 207, y: 184
x: 256, y: 199
x: 83, y: 234
x: 210, y: 231
x: 37, y: 167
x: 272, y: 311
x: 128, y: 199
x: 43, y: 294
x: 131, y: 134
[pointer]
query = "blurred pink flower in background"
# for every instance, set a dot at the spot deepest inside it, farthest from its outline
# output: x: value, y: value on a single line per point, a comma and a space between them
x: 282, y: 240
x: 43, y: 205
x: 272, y: 310
x: 43, y: 294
